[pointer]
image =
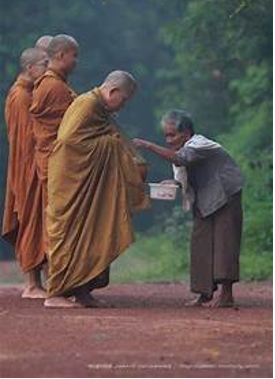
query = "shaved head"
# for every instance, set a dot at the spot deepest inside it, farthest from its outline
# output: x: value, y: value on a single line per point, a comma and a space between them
x: 43, y: 43
x: 122, y: 80
x: 30, y: 57
x: 118, y: 87
x: 61, y: 43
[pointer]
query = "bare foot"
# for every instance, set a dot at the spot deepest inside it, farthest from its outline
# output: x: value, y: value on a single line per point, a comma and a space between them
x: 225, y: 300
x: 222, y: 302
x: 88, y: 301
x: 34, y: 293
x: 60, y: 302
x: 198, y: 301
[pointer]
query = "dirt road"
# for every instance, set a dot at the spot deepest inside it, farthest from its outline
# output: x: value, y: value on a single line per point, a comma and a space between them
x: 146, y: 332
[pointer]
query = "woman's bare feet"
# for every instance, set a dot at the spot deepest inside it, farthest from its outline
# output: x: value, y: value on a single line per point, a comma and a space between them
x: 198, y: 301
x: 225, y: 299
x: 34, y: 293
x: 60, y: 302
x: 222, y: 302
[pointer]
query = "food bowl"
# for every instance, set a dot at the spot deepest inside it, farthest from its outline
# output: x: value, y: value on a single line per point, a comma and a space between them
x: 163, y: 191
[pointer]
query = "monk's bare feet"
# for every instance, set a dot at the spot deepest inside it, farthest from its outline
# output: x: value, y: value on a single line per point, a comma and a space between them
x: 88, y: 301
x: 198, y: 301
x: 60, y: 302
x: 34, y: 293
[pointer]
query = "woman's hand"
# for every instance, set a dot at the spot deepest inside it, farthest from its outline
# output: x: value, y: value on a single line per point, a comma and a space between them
x: 141, y: 143
x: 163, y: 152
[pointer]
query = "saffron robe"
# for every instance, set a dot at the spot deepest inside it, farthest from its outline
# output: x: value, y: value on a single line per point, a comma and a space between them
x: 94, y: 185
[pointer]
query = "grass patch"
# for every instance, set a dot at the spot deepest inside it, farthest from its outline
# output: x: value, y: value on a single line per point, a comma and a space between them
x: 157, y: 258
x: 256, y: 266
x: 151, y: 259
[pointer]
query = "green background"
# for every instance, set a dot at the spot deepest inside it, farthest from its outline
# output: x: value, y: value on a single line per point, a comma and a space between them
x: 212, y: 58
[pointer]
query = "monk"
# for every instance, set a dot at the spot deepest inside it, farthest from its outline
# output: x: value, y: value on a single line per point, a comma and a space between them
x: 51, y: 98
x: 213, y: 186
x: 94, y: 186
x: 43, y: 43
x: 17, y: 229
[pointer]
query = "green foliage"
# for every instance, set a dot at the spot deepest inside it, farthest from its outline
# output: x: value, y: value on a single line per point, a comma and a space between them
x: 222, y: 73
x: 256, y: 267
x: 153, y: 258
x: 110, y: 35
x: 210, y: 57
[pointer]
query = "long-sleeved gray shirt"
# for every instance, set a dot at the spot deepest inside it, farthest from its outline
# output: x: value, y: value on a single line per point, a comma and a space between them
x: 212, y: 173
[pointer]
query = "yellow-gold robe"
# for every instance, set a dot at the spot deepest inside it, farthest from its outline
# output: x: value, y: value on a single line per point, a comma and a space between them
x: 94, y: 185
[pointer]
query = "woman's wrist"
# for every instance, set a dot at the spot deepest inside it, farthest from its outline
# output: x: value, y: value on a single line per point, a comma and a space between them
x: 149, y: 145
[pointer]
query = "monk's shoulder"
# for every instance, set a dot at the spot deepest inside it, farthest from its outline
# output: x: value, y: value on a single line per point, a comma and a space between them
x: 18, y: 96
x: 51, y: 86
x: 82, y: 107
x: 85, y: 100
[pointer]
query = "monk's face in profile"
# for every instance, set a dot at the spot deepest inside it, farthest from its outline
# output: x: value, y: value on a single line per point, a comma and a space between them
x: 116, y: 99
x: 37, y: 69
x: 174, y: 139
x: 68, y: 59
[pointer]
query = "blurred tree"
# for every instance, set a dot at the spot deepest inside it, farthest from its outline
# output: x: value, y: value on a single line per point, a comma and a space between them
x: 111, y: 36
x: 222, y: 74
x: 211, y: 57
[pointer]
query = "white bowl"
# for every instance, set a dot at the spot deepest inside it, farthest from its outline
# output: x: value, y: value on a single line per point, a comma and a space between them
x: 163, y: 191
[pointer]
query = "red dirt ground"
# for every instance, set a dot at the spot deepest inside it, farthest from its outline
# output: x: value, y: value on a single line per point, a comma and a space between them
x: 146, y: 332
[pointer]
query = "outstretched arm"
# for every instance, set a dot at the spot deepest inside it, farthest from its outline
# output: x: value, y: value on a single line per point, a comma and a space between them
x: 163, y: 152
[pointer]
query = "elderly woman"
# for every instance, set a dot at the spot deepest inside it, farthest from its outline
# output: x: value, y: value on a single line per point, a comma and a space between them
x: 214, y: 185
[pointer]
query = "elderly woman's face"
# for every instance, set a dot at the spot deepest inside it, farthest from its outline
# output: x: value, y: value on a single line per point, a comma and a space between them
x: 174, y: 139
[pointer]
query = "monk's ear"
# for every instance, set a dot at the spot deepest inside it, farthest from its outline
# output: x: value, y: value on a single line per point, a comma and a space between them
x: 112, y: 91
x: 59, y: 55
x: 28, y: 67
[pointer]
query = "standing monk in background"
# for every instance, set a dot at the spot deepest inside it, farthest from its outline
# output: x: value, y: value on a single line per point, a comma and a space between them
x: 51, y: 98
x: 43, y: 43
x: 18, y: 229
x: 94, y: 186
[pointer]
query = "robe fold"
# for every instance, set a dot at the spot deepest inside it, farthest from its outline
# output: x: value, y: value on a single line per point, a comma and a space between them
x: 21, y: 222
x: 51, y: 98
x: 94, y: 185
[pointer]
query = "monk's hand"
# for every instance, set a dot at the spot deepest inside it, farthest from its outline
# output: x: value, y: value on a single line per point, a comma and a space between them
x: 141, y: 143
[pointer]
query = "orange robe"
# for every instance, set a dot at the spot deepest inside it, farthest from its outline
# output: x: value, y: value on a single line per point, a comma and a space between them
x: 51, y: 98
x: 21, y: 193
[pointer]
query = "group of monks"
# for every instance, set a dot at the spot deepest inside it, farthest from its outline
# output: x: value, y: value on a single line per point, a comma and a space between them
x: 74, y: 178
